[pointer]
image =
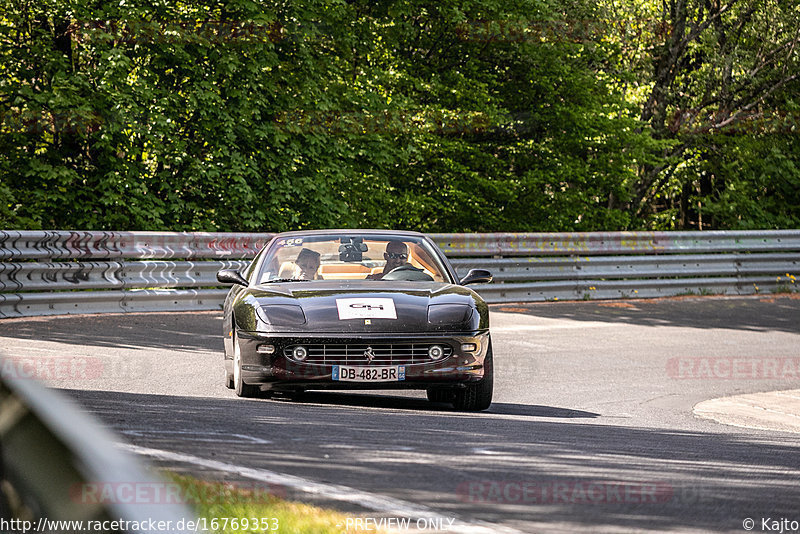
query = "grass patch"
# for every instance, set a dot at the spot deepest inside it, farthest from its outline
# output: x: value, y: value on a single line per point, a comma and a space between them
x: 783, y: 288
x: 263, y: 510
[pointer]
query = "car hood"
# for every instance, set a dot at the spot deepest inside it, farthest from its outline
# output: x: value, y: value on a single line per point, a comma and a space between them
x: 362, y: 307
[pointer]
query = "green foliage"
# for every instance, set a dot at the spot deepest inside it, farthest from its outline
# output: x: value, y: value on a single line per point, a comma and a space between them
x: 224, y: 508
x: 720, y: 87
x: 758, y: 179
x: 528, y: 115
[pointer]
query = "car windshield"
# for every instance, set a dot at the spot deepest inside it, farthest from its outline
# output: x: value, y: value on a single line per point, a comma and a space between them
x: 351, y: 257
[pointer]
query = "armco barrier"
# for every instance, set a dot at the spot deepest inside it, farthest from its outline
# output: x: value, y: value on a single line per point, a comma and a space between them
x: 63, y: 272
x: 53, y: 452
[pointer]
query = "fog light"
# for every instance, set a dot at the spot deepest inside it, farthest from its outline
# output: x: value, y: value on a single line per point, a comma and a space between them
x: 299, y: 353
x: 265, y: 349
x: 435, y: 352
x: 469, y: 347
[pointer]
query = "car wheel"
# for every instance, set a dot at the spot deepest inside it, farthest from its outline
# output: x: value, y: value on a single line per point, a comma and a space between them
x: 477, y: 397
x: 242, y: 389
x: 440, y: 395
x: 296, y: 395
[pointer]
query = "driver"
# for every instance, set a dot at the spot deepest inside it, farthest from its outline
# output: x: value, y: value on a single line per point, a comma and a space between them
x: 396, y: 255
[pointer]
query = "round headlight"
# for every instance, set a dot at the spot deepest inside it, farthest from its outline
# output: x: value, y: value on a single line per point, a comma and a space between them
x: 435, y: 352
x: 299, y: 353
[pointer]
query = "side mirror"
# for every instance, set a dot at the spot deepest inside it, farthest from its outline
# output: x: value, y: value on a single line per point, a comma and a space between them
x: 476, y: 276
x: 229, y: 276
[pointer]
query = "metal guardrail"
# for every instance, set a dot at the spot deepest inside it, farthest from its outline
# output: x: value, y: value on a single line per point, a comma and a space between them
x: 61, y: 244
x: 59, y: 276
x: 56, y: 460
x: 613, y: 243
x: 62, y: 272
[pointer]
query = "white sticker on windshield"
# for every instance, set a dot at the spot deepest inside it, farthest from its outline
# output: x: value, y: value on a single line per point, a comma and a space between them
x: 368, y: 308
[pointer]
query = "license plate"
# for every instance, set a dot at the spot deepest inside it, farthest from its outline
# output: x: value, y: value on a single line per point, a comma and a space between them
x: 349, y: 373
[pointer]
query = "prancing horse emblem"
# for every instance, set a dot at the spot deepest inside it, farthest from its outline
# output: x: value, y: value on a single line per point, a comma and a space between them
x: 369, y: 355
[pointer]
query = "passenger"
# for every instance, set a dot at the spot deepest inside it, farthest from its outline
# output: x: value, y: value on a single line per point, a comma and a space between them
x: 305, y: 267
x: 396, y: 255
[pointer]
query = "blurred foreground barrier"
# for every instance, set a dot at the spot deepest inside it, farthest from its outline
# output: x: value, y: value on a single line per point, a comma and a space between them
x: 53, y: 456
x: 60, y: 272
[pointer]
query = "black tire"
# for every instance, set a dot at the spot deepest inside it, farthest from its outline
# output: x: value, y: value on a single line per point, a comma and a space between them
x: 228, y: 376
x: 477, y: 397
x: 296, y: 395
x: 242, y: 389
x: 440, y: 395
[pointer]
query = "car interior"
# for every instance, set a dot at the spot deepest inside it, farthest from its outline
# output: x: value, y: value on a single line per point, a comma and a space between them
x: 351, y: 261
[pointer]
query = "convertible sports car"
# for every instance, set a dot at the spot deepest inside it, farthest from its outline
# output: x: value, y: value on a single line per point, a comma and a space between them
x: 357, y: 309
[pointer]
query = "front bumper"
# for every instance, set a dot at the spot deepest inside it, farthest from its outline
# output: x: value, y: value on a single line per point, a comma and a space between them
x: 279, y: 372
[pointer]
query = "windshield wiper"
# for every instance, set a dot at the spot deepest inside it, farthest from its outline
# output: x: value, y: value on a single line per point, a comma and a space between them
x: 276, y: 280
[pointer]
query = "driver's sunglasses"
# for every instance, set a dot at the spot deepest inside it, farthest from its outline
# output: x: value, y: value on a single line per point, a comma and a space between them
x: 397, y: 256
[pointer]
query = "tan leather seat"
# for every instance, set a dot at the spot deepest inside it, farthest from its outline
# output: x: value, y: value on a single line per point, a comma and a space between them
x: 349, y: 271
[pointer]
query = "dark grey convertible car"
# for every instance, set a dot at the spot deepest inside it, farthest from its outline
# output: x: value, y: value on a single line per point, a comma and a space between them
x: 357, y: 309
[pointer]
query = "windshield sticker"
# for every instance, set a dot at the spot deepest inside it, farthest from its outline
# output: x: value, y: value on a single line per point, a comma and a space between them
x: 294, y: 242
x: 366, y: 309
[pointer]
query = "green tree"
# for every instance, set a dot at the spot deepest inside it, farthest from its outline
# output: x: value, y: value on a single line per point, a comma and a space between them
x: 449, y: 116
x: 717, y: 82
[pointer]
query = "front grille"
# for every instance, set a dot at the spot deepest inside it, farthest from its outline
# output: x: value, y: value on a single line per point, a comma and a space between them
x: 353, y: 353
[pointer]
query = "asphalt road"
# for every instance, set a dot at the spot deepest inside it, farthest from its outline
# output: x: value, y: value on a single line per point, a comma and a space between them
x: 591, y: 429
